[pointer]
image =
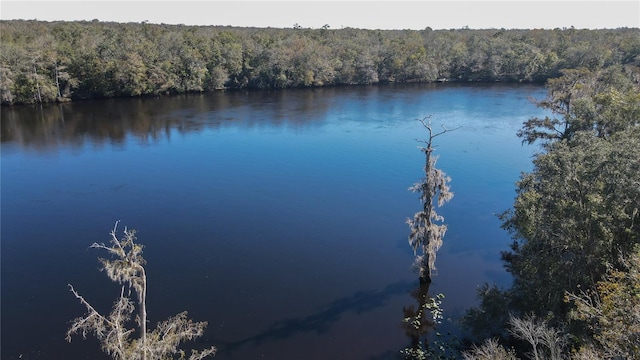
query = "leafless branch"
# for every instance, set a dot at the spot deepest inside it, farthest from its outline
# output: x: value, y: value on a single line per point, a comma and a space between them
x: 127, y: 268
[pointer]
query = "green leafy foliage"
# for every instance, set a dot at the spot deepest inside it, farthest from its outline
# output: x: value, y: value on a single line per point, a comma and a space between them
x: 576, y: 220
x: 490, y: 318
x: 49, y: 61
x: 603, y: 102
x: 611, y: 312
x: 575, y: 214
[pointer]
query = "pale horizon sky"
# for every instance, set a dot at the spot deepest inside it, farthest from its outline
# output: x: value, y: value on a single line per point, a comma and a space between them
x: 478, y: 14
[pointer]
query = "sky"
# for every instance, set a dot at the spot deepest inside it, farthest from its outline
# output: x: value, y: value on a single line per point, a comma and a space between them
x: 475, y: 14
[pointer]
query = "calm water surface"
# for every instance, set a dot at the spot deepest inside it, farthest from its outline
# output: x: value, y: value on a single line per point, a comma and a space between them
x: 278, y: 217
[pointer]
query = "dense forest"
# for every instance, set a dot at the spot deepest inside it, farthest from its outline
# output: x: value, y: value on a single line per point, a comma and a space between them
x: 58, y: 61
x: 575, y: 256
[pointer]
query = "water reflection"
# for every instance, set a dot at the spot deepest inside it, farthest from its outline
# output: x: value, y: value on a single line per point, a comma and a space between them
x: 418, y: 320
x: 150, y: 119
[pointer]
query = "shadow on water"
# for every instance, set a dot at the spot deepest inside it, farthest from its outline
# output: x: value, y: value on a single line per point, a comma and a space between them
x: 417, y: 323
x: 321, y: 322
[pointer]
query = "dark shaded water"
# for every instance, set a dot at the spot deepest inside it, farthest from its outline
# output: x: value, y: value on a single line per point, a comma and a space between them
x: 279, y: 217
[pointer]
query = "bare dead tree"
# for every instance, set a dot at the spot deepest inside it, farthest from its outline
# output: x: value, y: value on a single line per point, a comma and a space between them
x: 489, y: 350
x: 127, y: 268
x: 546, y: 342
x: 427, y: 229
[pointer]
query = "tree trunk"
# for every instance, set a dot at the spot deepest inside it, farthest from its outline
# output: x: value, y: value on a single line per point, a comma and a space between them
x: 35, y: 78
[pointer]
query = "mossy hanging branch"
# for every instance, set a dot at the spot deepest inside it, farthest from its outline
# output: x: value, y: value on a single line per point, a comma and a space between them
x: 127, y: 269
x: 427, y: 229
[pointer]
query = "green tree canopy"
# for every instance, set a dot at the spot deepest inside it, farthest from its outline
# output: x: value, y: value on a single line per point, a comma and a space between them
x: 574, y: 215
x: 48, y: 61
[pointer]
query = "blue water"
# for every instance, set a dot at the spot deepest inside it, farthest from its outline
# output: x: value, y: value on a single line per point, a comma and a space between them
x: 278, y: 217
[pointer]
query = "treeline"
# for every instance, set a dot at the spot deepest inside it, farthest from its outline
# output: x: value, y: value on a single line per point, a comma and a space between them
x: 58, y: 61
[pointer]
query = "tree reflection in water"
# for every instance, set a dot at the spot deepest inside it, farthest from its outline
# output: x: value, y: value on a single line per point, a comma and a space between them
x: 422, y: 324
x: 417, y: 321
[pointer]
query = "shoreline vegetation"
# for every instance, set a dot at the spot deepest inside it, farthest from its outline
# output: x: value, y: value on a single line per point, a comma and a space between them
x: 48, y: 62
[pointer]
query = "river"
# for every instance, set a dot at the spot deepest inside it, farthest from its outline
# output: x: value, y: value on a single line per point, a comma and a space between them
x: 278, y: 217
